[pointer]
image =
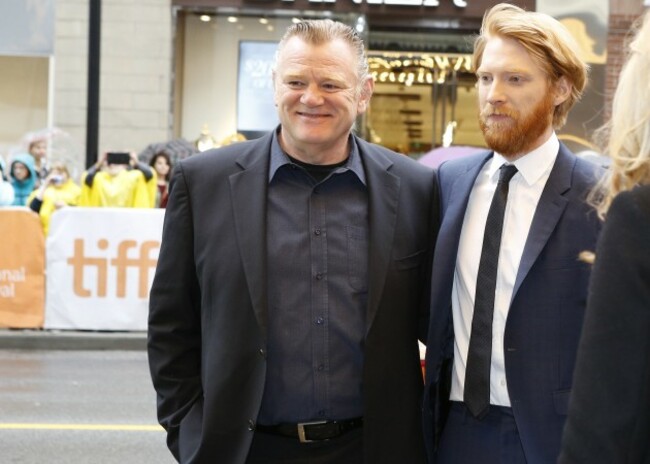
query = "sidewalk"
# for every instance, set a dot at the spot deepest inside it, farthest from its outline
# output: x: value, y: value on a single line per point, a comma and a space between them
x: 30, y: 339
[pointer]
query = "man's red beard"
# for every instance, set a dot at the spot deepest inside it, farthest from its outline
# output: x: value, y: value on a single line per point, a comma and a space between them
x: 518, y: 135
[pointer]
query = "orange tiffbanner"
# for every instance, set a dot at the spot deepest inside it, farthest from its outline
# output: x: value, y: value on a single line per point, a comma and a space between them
x: 22, y: 269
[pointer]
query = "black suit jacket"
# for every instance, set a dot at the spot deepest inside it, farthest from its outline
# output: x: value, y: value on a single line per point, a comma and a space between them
x: 208, y: 306
x: 609, y: 412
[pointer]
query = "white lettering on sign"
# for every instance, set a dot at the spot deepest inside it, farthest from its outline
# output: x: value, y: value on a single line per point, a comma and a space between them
x: 8, y: 279
x: 12, y: 275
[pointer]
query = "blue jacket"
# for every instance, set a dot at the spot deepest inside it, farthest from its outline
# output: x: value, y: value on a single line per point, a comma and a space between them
x: 545, y: 316
x: 22, y: 188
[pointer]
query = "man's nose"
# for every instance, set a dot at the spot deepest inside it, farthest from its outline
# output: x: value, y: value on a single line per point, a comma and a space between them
x: 496, y: 94
x: 312, y: 96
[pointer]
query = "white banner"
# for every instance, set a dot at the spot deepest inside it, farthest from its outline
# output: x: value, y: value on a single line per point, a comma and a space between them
x: 100, y: 265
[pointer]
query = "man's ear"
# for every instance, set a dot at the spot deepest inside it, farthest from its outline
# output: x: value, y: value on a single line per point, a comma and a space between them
x: 562, y: 90
x: 365, y: 93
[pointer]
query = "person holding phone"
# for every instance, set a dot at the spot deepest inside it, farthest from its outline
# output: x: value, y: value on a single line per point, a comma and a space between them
x: 119, y: 180
x: 57, y: 191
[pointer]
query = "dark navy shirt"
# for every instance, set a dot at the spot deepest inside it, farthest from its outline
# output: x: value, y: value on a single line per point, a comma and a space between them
x: 317, y: 244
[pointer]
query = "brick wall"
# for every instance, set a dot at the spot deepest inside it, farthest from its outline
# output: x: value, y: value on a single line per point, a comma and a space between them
x: 135, y: 80
x: 621, y: 18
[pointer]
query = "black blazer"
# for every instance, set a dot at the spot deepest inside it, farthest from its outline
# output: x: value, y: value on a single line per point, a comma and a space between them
x: 609, y: 412
x: 208, y: 306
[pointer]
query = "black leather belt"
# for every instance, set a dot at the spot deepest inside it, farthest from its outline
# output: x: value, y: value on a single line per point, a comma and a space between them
x: 313, y: 431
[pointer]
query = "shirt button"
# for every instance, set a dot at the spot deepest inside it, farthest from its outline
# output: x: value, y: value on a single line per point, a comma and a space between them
x: 503, y: 382
x: 319, y: 276
x: 321, y: 367
x: 316, y: 231
x: 319, y: 320
x: 262, y: 353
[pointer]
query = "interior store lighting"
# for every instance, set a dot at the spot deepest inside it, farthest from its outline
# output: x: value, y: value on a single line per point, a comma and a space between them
x: 205, y: 140
x: 426, y: 69
x: 205, y: 18
x: 232, y: 19
x: 361, y: 24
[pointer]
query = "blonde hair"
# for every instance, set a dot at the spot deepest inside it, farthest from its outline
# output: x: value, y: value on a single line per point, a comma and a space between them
x: 548, y: 42
x: 59, y: 165
x: 626, y: 135
x: 322, y: 31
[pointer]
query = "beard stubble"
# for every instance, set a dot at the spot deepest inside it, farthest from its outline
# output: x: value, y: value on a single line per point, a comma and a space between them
x: 518, y: 135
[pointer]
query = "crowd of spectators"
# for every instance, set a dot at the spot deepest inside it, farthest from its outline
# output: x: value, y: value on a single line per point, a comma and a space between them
x: 35, y: 178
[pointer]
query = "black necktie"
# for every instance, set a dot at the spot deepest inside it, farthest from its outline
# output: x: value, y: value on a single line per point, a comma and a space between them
x: 477, y: 372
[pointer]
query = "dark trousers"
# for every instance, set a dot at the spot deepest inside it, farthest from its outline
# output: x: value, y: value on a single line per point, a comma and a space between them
x: 276, y: 449
x: 491, y: 440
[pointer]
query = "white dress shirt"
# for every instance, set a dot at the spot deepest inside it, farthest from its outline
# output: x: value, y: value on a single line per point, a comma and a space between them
x: 525, y: 191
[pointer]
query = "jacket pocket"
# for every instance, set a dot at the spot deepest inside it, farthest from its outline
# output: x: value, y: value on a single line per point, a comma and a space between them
x: 410, y: 261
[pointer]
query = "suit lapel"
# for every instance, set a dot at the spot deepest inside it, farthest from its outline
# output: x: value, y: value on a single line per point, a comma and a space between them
x: 456, y: 185
x: 249, y: 190
x: 453, y: 215
x: 551, y: 205
x: 383, y: 196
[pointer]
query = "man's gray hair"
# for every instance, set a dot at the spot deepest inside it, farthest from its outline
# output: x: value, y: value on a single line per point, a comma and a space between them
x: 321, y: 31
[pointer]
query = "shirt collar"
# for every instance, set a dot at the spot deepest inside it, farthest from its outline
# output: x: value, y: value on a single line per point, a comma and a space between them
x: 279, y: 158
x: 533, y: 165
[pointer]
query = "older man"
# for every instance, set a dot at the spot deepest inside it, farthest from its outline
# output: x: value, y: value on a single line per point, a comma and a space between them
x: 292, y: 283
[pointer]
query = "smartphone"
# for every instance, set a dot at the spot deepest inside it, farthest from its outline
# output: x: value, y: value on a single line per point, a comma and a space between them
x: 116, y: 157
x: 57, y: 179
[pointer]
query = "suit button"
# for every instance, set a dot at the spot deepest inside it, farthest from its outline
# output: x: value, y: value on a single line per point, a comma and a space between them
x: 262, y: 353
x: 251, y: 425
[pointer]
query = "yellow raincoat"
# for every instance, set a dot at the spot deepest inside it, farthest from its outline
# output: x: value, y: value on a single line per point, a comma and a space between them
x: 128, y: 189
x: 68, y: 193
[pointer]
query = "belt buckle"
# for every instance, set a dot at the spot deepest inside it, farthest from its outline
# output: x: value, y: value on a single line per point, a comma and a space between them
x: 301, y: 430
